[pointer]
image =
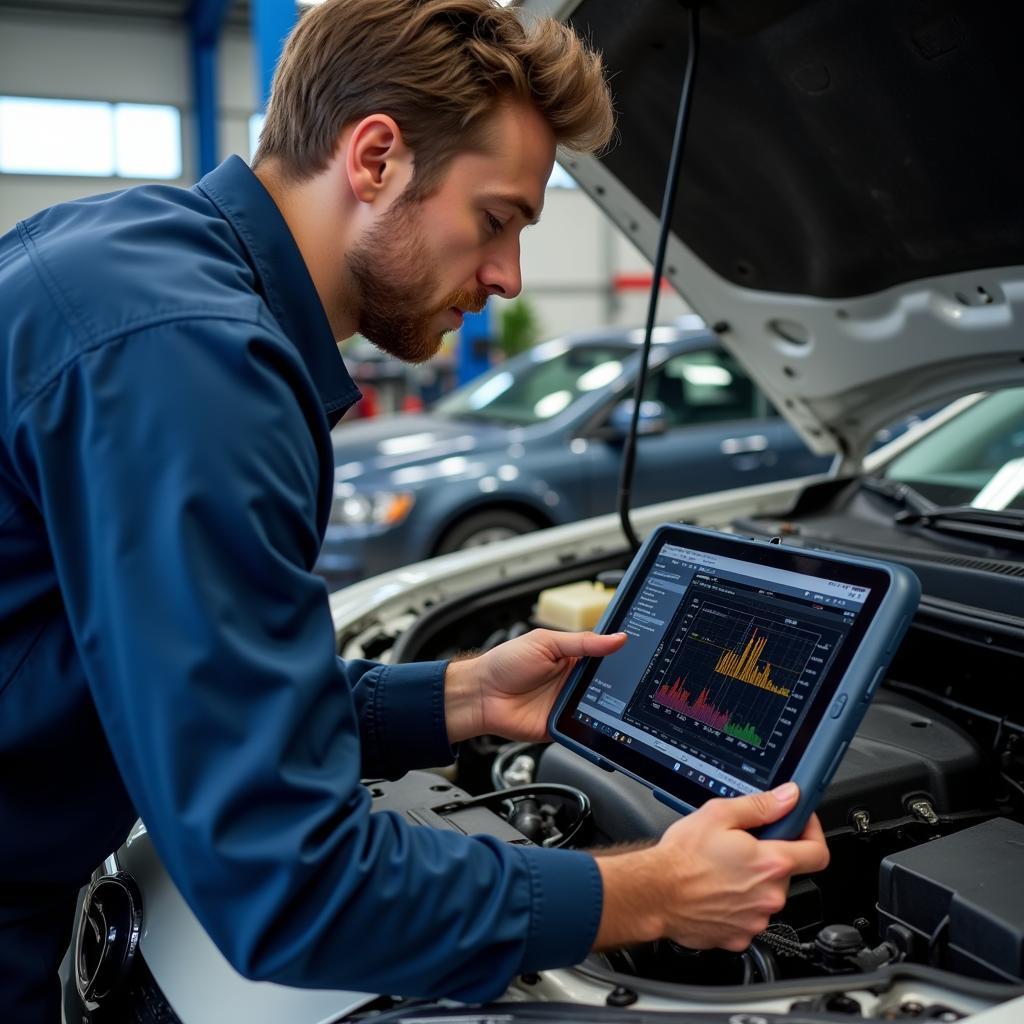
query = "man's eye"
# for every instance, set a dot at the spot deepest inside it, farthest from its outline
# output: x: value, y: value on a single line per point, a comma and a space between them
x: 494, y: 224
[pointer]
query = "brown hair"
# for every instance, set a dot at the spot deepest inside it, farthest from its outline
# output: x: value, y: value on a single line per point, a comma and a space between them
x: 439, y: 68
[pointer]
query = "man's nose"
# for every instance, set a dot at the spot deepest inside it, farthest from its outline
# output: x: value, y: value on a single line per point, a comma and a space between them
x: 502, y: 275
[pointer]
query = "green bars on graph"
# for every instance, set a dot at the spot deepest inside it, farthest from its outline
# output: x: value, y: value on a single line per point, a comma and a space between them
x: 743, y: 732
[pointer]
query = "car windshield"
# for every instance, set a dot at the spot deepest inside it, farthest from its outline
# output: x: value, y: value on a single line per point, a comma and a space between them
x: 975, y: 459
x: 539, y: 386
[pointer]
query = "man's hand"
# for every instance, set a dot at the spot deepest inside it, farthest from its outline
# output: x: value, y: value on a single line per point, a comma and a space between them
x: 708, y: 882
x: 510, y: 690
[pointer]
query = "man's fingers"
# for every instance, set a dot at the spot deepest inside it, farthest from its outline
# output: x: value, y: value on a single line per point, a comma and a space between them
x: 758, y: 808
x: 812, y: 830
x: 811, y: 847
x: 803, y: 856
x: 579, y: 645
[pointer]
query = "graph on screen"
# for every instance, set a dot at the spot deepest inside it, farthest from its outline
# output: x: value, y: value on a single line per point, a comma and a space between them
x: 734, y: 668
x: 702, y: 709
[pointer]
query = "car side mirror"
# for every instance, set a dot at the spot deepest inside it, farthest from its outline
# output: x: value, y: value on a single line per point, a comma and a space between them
x: 652, y: 419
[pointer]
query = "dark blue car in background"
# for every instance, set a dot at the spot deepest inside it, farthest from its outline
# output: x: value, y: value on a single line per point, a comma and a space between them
x: 537, y: 441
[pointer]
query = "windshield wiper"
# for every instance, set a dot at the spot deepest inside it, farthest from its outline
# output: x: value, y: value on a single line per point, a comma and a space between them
x: 916, y: 510
x: 1005, y: 519
x: 982, y: 525
x: 911, y: 502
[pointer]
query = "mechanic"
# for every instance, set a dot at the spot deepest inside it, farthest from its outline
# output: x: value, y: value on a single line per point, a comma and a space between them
x: 168, y: 381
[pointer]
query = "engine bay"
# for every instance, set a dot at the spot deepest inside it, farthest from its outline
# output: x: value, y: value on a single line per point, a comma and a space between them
x: 924, y: 818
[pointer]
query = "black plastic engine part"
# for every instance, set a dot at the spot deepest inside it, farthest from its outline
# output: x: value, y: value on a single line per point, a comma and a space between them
x: 902, y: 752
x: 962, y: 900
x: 543, y: 814
x: 840, y: 949
x: 837, y: 944
x: 418, y: 795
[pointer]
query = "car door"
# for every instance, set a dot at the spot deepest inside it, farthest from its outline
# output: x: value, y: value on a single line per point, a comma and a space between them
x: 721, y: 432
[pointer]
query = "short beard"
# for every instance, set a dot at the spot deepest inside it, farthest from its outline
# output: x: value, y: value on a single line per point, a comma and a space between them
x: 394, y: 282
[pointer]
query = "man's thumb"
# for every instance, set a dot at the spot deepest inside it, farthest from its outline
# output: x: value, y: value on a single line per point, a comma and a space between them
x: 581, y: 645
x: 761, y: 808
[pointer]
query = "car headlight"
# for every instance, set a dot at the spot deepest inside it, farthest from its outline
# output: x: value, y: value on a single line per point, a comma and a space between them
x: 377, y: 508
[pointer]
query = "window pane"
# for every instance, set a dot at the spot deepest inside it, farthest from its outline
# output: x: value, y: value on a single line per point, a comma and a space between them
x: 560, y: 178
x: 976, y: 457
x: 539, y: 385
x: 148, y: 141
x: 40, y: 136
x: 255, y: 127
x: 702, y: 387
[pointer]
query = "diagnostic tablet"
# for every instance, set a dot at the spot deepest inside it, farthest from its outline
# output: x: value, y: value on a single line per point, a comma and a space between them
x: 748, y: 663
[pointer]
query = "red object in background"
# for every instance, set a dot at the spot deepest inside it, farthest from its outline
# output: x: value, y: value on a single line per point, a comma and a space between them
x: 368, y: 405
x: 637, y: 282
x: 412, y: 403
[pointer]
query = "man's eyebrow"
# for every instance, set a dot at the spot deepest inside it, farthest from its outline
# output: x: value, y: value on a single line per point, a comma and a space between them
x: 532, y: 217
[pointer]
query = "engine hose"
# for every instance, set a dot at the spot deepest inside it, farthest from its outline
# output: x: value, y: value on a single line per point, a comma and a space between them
x: 763, y: 960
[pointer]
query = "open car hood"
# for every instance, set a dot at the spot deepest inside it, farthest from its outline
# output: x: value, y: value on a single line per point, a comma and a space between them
x: 850, y: 214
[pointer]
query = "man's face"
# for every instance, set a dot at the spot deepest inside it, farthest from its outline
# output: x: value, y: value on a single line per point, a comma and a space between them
x: 424, y: 263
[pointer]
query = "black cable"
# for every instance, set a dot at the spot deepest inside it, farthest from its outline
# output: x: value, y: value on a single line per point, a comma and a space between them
x: 536, y: 790
x: 1013, y: 783
x: 505, y: 756
x: 934, y: 955
x: 784, y: 943
x: 668, y: 205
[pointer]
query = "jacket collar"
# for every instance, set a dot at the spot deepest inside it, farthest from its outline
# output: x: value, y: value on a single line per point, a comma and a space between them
x: 284, y: 280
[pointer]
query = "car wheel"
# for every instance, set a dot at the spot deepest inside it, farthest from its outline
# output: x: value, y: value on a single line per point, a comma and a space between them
x: 485, y: 528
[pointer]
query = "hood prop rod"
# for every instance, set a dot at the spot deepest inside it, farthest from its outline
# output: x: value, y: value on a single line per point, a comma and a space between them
x: 667, y: 207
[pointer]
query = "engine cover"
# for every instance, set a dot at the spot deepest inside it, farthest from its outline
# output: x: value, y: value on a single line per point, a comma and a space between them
x: 961, y: 899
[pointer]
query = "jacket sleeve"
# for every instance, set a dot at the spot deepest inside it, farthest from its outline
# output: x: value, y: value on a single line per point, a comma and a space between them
x: 400, y: 711
x: 179, y: 483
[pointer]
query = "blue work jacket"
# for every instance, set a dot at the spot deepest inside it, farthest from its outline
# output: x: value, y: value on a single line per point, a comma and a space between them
x: 168, y: 380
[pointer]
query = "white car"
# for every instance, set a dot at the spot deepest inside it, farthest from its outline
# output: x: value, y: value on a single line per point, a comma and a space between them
x: 850, y: 221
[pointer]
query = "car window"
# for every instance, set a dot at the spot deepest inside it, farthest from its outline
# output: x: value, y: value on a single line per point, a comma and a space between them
x: 975, y: 458
x: 537, y: 387
x: 706, y: 386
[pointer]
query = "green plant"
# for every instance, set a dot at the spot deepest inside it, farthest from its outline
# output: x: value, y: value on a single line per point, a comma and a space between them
x: 519, y: 327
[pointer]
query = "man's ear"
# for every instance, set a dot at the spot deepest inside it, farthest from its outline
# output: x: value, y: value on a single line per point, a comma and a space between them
x: 377, y: 159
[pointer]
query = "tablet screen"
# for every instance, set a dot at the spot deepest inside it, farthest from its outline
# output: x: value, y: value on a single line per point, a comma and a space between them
x: 729, y: 666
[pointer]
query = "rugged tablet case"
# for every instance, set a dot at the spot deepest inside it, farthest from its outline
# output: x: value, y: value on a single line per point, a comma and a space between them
x: 849, y: 703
